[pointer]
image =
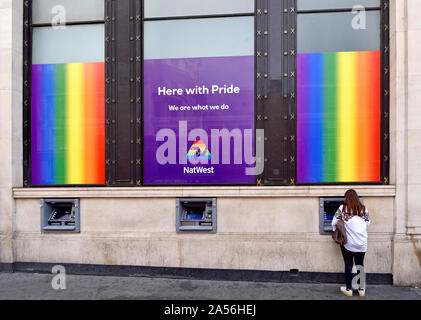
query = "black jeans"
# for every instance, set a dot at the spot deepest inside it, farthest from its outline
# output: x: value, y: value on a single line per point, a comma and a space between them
x: 349, y: 262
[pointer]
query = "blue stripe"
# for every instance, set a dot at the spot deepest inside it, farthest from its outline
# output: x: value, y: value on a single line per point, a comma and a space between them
x: 315, y: 123
x: 47, y: 124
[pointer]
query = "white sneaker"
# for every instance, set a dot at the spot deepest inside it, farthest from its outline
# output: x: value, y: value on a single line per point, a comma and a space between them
x: 346, y: 292
x: 361, y: 292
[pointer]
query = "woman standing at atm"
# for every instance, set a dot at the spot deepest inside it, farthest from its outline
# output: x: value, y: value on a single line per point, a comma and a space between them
x: 356, y: 220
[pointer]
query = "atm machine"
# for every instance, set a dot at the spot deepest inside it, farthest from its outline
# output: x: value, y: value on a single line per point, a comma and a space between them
x: 196, y: 215
x: 60, y: 215
x: 327, y: 210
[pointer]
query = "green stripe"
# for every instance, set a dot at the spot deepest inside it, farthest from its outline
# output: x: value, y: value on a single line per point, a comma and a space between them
x: 330, y: 121
x: 60, y: 125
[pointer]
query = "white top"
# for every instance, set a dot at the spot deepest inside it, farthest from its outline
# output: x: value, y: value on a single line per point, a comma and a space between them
x: 356, y: 229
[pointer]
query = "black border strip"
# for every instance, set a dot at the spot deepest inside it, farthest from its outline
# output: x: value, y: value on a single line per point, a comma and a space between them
x: 205, y: 16
x: 293, y: 94
x: 109, y: 44
x: 335, y: 10
x: 70, y: 23
x: 261, y: 62
x: 291, y: 276
x: 139, y: 52
x: 27, y: 66
x: 385, y: 92
x: 6, y: 267
x: 141, y: 128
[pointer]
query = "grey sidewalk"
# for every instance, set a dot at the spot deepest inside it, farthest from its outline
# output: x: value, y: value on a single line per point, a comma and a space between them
x: 38, y: 286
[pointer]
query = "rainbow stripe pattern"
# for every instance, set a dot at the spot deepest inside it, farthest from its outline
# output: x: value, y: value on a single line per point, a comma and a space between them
x: 339, y: 116
x: 198, y: 151
x: 68, y: 124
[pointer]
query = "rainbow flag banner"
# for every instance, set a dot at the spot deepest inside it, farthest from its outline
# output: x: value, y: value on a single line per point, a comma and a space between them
x: 68, y: 124
x: 339, y: 116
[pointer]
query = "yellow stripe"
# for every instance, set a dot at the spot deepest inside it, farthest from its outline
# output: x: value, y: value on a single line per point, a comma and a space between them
x: 347, y: 122
x: 75, y: 125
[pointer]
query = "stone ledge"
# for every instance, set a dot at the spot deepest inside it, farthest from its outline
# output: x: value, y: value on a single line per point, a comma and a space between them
x: 221, y: 236
x: 201, y: 191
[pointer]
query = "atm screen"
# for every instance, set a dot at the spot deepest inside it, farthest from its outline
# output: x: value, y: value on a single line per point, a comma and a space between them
x: 194, y: 213
x: 329, y: 216
x: 331, y: 207
x: 194, y: 216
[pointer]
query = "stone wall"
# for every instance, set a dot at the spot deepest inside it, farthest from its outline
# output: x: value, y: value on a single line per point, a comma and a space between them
x: 264, y: 228
x: 257, y: 229
x: 406, y: 142
x: 11, y: 16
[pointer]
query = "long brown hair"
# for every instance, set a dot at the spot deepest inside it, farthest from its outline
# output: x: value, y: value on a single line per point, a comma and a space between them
x: 352, y: 202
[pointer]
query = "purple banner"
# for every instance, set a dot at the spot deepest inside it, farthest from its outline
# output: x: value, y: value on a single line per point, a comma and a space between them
x: 199, y: 120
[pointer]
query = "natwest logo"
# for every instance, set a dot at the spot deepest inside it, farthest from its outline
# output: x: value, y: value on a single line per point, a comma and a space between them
x: 173, y: 150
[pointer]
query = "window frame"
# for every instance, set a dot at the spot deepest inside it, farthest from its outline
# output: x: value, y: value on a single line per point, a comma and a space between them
x: 384, y: 93
x: 266, y: 19
x: 203, y: 17
x: 28, y: 27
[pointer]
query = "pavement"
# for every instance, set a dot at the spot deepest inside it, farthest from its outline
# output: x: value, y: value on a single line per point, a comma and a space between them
x: 33, y: 286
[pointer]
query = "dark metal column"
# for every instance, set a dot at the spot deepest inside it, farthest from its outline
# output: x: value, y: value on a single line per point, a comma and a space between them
x: 123, y: 92
x: 27, y: 63
x: 385, y: 84
x: 276, y: 89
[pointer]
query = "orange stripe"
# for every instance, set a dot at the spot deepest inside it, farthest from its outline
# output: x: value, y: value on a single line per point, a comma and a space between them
x: 95, y: 127
x: 369, y: 116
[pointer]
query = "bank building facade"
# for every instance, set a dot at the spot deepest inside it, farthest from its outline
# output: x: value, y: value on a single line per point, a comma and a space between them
x: 209, y: 139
